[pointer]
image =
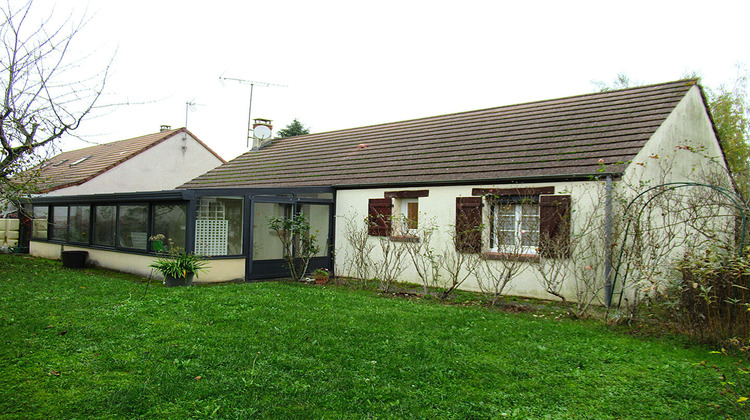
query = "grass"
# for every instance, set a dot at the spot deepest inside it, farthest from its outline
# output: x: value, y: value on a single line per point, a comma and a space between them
x: 96, y: 344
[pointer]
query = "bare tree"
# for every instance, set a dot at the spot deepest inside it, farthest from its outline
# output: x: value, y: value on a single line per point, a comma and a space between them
x: 392, y: 264
x: 40, y: 102
x: 495, y: 274
x: 357, y: 261
x: 418, y: 244
x: 459, y: 262
x: 552, y: 270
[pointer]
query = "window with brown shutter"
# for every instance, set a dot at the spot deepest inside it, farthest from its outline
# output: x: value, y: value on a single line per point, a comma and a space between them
x: 514, y: 226
x: 554, y: 229
x: 379, y: 216
x: 469, y: 224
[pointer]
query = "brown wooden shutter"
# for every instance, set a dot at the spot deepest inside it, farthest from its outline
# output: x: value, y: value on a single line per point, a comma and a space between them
x: 379, y: 216
x: 554, y: 226
x: 469, y: 224
x: 412, y: 217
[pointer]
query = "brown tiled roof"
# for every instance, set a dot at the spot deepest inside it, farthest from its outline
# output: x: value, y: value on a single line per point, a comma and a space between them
x: 561, y: 137
x: 78, y: 166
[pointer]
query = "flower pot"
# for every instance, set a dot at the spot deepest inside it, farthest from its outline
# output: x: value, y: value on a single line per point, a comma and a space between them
x: 74, y: 259
x: 170, y: 281
x: 321, y: 280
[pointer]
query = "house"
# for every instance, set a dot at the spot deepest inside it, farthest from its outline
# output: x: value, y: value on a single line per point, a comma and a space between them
x: 158, y: 161
x: 494, y: 182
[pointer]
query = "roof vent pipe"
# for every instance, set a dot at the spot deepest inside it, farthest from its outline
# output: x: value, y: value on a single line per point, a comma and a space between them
x: 164, y: 128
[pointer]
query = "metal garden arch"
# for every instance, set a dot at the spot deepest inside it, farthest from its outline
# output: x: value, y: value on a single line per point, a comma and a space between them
x: 736, y: 201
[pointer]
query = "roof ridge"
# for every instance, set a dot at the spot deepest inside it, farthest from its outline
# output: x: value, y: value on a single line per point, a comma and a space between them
x: 519, y: 104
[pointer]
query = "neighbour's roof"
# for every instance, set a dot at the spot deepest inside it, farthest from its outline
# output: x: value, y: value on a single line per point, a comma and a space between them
x: 78, y: 166
x: 564, y: 137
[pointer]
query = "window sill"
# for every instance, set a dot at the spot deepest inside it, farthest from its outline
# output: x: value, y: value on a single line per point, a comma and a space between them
x: 404, y: 238
x: 506, y: 256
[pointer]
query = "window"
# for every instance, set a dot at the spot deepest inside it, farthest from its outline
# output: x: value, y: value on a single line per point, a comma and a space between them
x: 132, y: 227
x: 380, y: 212
x: 80, y: 217
x: 105, y: 225
x: 514, y: 228
x: 322, y: 196
x: 529, y: 221
x: 319, y: 217
x: 218, y: 226
x: 170, y: 221
x: 266, y: 243
x: 41, y: 220
x: 410, y: 215
x: 60, y: 223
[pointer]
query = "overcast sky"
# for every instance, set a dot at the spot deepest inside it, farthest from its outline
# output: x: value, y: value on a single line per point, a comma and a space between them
x: 349, y: 64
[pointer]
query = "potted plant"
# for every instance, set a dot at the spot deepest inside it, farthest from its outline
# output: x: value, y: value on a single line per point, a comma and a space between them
x: 178, y: 267
x: 321, y: 276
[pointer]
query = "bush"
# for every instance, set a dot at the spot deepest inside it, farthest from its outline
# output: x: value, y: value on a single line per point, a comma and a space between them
x: 714, y: 299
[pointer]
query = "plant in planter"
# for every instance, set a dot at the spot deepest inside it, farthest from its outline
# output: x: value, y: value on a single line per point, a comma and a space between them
x: 178, y: 267
x: 321, y: 276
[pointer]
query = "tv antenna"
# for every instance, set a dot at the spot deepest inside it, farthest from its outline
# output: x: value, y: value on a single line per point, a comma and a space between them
x: 250, y: 107
x: 189, y: 106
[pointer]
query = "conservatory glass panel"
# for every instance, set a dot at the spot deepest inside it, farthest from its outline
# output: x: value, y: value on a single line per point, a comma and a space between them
x: 41, y: 221
x: 218, y: 226
x: 319, y: 215
x: 266, y: 243
x: 60, y: 222
x: 105, y: 225
x: 168, y: 230
x: 133, y: 227
x: 80, y: 218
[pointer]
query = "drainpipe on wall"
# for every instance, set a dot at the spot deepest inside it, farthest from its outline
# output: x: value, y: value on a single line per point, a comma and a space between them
x: 608, y: 240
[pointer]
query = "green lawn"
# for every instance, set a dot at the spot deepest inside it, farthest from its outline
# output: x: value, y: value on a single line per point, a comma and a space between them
x: 93, y: 344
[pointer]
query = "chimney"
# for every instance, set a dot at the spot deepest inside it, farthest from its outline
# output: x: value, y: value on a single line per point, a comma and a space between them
x: 262, y: 129
x: 164, y: 128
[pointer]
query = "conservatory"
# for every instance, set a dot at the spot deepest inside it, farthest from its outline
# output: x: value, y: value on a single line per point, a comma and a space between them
x: 126, y: 231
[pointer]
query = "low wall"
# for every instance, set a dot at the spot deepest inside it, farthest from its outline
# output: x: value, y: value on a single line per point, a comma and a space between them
x: 219, y: 270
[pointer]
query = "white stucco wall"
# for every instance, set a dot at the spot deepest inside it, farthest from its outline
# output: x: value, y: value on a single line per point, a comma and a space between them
x: 165, y: 166
x: 440, y: 208
x: 664, y: 158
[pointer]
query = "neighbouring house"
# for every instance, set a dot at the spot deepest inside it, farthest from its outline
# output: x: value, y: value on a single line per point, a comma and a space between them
x: 158, y: 161
x: 498, y: 183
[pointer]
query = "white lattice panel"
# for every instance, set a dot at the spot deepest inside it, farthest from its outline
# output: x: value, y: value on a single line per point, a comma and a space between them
x: 211, y: 237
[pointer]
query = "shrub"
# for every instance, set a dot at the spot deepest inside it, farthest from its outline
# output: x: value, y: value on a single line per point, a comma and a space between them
x: 714, y: 299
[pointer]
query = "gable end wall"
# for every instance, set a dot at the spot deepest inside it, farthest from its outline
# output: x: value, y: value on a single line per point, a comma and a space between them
x: 688, y: 125
x: 162, y: 167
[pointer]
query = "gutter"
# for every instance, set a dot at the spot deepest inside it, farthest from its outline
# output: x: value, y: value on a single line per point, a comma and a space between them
x: 510, y: 180
x: 165, y: 195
